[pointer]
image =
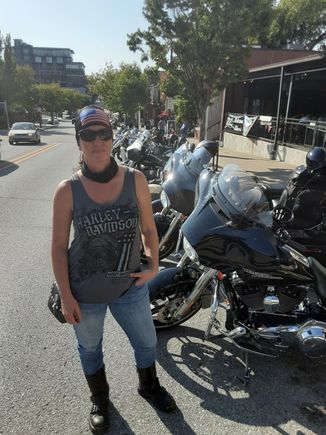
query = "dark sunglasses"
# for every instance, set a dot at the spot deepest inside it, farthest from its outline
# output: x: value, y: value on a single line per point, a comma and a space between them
x: 90, y: 135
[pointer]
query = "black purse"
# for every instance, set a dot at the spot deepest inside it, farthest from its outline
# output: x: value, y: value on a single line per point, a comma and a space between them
x: 54, y: 303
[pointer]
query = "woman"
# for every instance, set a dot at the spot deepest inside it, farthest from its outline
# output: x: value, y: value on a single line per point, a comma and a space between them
x: 109, y: 206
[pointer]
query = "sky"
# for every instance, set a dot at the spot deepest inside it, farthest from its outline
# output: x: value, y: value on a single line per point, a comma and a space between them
x: 96, y: 30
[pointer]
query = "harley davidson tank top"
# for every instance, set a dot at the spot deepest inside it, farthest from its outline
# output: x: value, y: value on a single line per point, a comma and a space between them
x: 106, y: 245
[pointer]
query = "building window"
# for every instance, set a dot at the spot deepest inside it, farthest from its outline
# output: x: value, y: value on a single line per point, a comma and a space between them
x: 48, y: 59
x: 59, y: 59
x: 38, y: 59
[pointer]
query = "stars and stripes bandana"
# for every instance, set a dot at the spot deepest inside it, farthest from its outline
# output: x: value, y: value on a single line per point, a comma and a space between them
x: 91, y: 115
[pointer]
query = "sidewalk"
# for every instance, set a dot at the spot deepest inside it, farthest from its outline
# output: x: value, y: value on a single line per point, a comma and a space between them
x: 271, y: 171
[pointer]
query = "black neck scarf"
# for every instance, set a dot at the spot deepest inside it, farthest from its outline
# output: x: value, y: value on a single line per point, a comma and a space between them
x: 101, y: 177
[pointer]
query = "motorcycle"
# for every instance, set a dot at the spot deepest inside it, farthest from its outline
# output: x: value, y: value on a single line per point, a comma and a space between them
x: 178, y: 191
x: 274, y: 297
x: 147, y: 156
x: 179, y: 177
x: 237, y: 257
x: 123, y: 139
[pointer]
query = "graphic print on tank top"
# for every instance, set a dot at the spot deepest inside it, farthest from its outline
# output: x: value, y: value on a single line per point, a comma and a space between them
x: 106, y: 239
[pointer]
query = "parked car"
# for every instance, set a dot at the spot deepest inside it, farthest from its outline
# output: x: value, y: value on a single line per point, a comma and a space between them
x: 48, y: 120
x: 54, y: 122
x: 24, y: 132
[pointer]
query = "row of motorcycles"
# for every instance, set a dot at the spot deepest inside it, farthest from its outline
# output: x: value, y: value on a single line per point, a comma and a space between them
x: 236, y: 252
x: 144, y: 150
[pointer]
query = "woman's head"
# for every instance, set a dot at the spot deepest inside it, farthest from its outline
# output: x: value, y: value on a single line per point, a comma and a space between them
x: 89, y: 116
x: 93, y: 134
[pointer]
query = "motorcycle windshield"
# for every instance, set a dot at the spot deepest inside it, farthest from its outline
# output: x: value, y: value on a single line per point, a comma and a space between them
x: 195, y: 162
x: 239, y: 195
x: 145, y: 136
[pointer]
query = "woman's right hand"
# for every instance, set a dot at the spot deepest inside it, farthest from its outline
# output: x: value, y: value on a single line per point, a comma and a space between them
x: 70, y: 309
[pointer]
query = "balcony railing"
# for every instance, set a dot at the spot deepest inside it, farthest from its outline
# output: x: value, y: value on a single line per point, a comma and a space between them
x: 292, y: 132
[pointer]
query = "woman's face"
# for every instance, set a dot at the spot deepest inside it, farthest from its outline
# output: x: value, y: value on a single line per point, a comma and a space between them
x: 96, y: 149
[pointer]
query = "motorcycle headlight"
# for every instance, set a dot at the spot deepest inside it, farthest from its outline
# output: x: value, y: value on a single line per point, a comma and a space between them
x: 165, y: 200
x: 189, y: 250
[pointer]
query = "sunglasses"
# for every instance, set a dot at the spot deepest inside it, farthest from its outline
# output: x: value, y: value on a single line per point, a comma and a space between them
x: 91, y: 135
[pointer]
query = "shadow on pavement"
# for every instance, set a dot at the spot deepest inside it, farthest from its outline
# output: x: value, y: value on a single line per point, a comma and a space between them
x: 118, y: 424
x: 7, y: 167
x: 287, y: 389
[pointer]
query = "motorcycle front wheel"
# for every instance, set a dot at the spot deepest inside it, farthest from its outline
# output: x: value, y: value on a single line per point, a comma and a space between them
x: 166, y: 301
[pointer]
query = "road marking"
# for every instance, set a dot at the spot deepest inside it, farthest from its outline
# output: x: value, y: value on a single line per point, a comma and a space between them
x: 27, y: 156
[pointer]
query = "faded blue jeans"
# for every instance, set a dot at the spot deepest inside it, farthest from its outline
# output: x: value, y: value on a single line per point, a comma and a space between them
x: 132, y: 312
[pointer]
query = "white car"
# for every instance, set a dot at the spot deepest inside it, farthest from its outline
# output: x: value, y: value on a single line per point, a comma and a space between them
x: 24, y: 132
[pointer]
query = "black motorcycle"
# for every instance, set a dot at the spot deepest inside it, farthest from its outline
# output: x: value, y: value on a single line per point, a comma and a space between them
x: 147, y: 156
x: 274, y: 296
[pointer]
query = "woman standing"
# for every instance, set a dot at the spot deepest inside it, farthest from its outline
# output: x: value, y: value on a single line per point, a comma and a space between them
x: 109, y: 206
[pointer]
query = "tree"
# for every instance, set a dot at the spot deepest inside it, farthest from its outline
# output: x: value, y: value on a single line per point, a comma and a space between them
x: 50, y: 97
x: 201, y: 43
x: 185, y: 110
x: 73, y: 100
x: 297, y: 21
x: 123, y: 90
x: 8, y: 86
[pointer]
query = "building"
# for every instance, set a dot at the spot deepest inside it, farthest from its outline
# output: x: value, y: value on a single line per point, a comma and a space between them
x: 278, y: 110
x: 51, y: 65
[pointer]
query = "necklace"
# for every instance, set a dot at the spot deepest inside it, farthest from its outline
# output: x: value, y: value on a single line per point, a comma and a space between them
x: 101, y: 177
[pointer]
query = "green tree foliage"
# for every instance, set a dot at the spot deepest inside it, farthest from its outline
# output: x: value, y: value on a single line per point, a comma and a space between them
x: 172, y: 86
x: 200, y: 43
x: 185, y: 110
x: 54, y: 99
x: 8, y: 85
x: 73, y: 100
x: 123, y: 90
x: 297, y: 21
x: 50, y: 97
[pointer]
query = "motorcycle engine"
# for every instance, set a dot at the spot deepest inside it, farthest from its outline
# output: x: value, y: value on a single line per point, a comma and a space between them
x: 269, y: 298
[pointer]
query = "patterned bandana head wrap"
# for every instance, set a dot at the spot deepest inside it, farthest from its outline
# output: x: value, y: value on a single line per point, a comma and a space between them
x: 91, y: 115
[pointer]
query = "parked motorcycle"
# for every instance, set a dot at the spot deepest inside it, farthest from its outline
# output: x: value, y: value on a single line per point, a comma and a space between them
x: 123, y: 138
x: 179, y: 177
x: 147, y: 156
x: 275, y: 296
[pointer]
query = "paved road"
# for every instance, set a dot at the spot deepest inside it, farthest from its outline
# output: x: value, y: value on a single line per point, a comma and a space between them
x: 42, y: 390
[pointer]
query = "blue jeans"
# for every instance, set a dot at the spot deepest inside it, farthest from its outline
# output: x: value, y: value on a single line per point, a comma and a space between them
x: 133, y: 314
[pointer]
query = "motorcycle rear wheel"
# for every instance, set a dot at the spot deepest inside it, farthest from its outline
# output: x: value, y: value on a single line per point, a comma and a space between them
x: 174, y: 295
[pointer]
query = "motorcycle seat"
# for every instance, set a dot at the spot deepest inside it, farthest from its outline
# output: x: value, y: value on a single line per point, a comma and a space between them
x: 273, y: 191
x: 320, y: 274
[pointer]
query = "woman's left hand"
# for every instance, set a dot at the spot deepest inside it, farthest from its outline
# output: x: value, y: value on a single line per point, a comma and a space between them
x: 143, y: 276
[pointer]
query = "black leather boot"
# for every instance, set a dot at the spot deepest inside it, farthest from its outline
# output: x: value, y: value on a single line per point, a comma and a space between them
x: 150, y: 389
x: 99, y: 416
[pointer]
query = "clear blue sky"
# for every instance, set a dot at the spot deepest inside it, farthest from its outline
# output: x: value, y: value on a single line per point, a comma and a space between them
x: 96, y: 30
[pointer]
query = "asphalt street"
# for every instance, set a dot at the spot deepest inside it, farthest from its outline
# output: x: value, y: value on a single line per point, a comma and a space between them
x: 42, y: 389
